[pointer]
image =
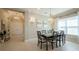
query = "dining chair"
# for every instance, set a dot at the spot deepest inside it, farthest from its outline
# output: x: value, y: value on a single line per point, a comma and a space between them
x: 41, y: 39
x: 53, y: 39
x: 62, y: 37
x: 38, y: 35
x: 43, y: 32
x: 1, y: 37
x: 50, y: 31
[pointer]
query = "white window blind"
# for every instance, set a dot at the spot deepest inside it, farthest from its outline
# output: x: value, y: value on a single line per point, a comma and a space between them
x: 70, y: 25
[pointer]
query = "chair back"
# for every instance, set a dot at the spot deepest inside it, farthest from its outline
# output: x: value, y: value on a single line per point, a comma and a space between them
x: 38, y: 34
x: 62, y: 34
x: 55, y: 33
x: 50, y: 31
x: 43, y: 31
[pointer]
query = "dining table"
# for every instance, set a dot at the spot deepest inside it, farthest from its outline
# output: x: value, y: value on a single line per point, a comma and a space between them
x: 48, y: 37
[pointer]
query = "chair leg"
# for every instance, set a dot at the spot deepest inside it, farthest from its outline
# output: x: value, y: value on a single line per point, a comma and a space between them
x: 56, y: 44
x: 62, y: 41
x: 41, y: 45
x: 38, y: 43
x: 52, y: 45
x: 59, y: 42
x: 46, y: 45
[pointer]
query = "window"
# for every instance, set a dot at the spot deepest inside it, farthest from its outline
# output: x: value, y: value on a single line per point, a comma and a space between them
x: 72, y: 22
x: 72, y: 31
x: 42, y: 24
x: 69, y: 25
x: 62, y: 25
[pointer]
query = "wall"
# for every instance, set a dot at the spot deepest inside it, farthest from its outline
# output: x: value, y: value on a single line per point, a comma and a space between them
x: 3, y: 17
x: 73, y: 38
x: 15, y: 25
x: 31, y: 28
x: 16, y: 28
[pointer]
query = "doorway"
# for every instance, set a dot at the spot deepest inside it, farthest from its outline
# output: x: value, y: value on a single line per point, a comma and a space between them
x: 16, y: 25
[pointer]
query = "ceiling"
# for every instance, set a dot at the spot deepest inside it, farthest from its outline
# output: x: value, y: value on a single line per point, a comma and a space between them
x: 45, y: 11
x: 48, y: 11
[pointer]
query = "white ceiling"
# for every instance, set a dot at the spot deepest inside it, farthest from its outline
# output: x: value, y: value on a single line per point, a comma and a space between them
x: 45, y: 11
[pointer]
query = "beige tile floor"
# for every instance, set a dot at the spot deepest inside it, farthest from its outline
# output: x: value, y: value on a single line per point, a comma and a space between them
x: 16, y: 44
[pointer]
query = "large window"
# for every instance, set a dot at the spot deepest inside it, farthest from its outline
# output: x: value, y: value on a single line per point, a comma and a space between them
x: 61, y: 25
x: 70, y: 25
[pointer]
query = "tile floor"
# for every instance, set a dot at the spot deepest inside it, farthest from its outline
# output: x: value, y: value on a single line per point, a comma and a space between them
x: 16, y: 44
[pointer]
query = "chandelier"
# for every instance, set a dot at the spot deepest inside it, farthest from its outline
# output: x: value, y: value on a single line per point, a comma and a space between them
x: 50, y: 16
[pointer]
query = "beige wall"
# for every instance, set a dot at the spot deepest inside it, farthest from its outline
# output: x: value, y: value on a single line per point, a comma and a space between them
x: 3, y: 17
x: 16, y: 26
